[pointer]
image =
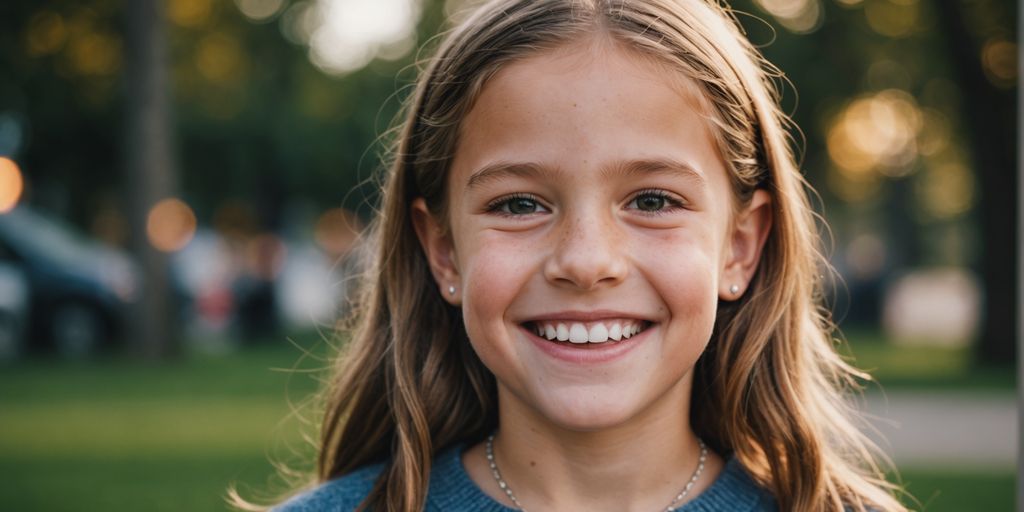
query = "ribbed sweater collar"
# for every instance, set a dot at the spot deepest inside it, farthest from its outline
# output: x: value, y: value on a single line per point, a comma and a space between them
x: 451, y: 489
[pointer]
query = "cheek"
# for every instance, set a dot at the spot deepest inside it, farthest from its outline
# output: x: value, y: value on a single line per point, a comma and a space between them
x: 685, y: 273
x: 494, y: 271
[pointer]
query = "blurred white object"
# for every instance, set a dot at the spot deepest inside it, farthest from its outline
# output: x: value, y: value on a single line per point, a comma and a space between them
x: 204, y: 270
x: 309, y: 287
x: 934, y: 306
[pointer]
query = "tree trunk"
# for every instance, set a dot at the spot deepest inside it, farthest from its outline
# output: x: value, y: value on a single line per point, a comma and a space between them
x: 150, y: 171
x: 992, y: 132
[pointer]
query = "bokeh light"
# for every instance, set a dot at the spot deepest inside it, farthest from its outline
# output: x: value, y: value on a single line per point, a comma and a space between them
x: 11, y: 184
x: 936, y: 132
x: 95, y: 53
x: 220, y: 59
x: 260, y: 10
x: 170, y: 225
x: 798, y: 16
x: 876, y: 133
x: 853, y: 187
x: 189, y: 13
x: 946, y: 189
x: 351, y: 33
x: 999, y: 60
x: 299, y: 21
x: 336, y: 230
x: 46, y: 33
x: 893, y: 18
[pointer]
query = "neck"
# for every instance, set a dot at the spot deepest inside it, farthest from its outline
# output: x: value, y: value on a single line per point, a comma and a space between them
x: 637, y: 466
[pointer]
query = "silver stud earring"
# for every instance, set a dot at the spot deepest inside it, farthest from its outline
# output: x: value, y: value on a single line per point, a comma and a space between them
x: 451, y: 290
x: 734, y: 289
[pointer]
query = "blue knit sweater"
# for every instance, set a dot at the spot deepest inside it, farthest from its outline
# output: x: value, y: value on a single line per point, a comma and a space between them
x: 451, y: 490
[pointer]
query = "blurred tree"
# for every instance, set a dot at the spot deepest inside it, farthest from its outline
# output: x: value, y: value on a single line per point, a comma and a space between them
x: 992, y: 130
x: 263, y: 132
x: 149, y: 161
x: 958, y: 62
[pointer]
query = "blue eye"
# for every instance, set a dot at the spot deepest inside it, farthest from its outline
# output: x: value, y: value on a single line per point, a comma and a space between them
x: 654, y: 201
x: 516, y: 205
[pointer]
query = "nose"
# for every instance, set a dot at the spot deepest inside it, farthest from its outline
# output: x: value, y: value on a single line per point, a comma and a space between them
x: 590, y: 252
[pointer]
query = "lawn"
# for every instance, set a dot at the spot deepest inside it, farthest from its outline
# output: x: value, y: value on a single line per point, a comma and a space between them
x: 116, y: 435
x: 925, y: 367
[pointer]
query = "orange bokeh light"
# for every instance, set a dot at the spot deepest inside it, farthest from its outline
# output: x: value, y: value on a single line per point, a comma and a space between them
x: 336, y: 230
x: 170, y: 225
x: 11, y: 184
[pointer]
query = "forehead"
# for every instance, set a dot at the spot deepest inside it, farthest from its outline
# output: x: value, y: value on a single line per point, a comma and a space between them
x: 583, y: 106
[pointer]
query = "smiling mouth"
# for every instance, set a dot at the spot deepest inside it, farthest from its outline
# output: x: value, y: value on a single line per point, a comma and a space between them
x: 580, y: 333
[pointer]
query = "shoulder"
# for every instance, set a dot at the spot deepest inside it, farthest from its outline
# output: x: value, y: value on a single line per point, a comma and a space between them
x: 342, y: 493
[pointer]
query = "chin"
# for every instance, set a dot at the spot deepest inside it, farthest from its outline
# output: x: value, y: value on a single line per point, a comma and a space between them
x: 587, y: 413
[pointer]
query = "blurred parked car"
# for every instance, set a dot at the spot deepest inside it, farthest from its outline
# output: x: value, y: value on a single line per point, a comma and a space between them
x: 13, y: 310
x: 78, y: 288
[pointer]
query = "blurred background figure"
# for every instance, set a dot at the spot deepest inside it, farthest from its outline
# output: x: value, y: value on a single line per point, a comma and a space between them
x: 182, y: 182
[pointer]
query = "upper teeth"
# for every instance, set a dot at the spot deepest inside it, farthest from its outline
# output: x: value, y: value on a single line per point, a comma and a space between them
x: 594, y: 332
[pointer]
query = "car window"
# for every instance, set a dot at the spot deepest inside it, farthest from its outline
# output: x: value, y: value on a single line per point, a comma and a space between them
x: 36, y: 235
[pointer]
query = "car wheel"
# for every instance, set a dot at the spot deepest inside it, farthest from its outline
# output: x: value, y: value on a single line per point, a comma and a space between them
x: 77, y: 330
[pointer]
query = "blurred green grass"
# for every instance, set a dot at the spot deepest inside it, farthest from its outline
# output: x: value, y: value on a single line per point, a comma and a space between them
x: 925, y: 367
x: 947, y: 489
x: 115, y: 434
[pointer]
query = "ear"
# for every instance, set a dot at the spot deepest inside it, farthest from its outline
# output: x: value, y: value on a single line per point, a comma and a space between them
x: 743, y: 249
x: 440, y: 251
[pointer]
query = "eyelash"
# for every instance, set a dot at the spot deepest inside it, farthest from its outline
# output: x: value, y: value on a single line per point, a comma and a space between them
x: 497, y: 205
x: 672, y: 203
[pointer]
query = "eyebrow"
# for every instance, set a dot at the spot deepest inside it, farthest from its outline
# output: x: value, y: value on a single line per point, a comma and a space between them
x: 663, y: 166
x: 502, y: 170
x: 634, y: 168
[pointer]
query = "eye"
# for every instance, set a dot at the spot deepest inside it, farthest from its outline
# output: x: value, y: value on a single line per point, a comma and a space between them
x: 516, y: 205
x: 654, y: 201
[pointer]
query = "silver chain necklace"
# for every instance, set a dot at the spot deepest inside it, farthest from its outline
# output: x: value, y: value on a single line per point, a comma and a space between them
x: 670, y: 508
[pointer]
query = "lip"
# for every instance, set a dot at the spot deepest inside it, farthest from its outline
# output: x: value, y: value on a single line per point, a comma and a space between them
x: 593, y: 353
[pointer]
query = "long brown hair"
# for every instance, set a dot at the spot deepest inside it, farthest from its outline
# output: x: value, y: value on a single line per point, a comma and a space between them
x: 770, y: 389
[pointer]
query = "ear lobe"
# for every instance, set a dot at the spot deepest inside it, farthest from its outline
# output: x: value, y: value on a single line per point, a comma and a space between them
x: 748, y: 236
x: 440, y: 250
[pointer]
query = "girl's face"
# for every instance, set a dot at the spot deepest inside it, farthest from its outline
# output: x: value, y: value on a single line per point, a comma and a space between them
x: 588, y: 200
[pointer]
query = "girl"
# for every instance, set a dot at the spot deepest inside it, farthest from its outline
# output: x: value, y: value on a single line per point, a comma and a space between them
x: 593, y: 284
